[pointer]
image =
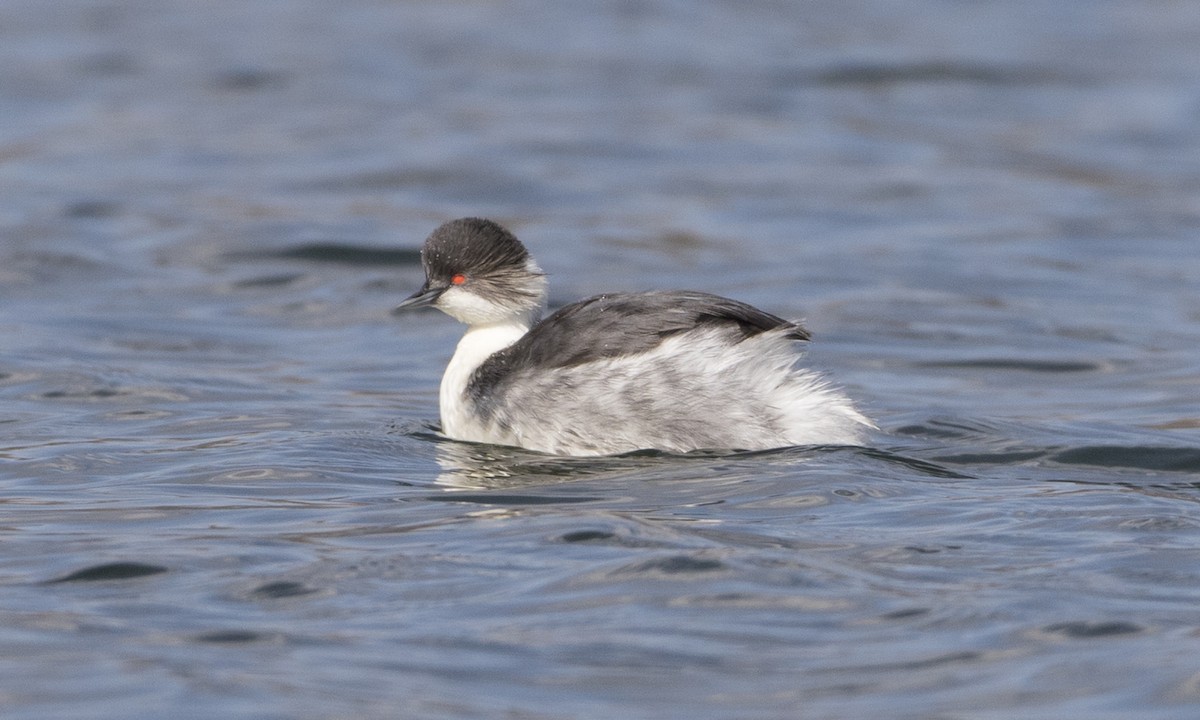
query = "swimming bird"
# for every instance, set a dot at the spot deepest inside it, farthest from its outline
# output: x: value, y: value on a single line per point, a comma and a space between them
x: 669, y: 370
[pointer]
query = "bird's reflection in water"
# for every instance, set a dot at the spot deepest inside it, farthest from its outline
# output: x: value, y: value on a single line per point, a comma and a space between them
x: 475, y: 466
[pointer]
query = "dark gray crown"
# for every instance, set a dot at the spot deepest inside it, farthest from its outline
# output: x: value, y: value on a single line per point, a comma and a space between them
x: 473, y: 246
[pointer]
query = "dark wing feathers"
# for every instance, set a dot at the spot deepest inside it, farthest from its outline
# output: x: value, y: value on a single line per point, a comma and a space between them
x: 617, y: 324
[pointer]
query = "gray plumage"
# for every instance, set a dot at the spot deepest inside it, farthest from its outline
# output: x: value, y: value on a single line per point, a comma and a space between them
x: 615, y: 324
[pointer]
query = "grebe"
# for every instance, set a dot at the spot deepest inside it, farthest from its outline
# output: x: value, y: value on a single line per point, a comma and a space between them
x: 667, y: 370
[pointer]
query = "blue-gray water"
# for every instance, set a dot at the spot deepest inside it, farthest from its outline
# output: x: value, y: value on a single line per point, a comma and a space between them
x: 220, y: 492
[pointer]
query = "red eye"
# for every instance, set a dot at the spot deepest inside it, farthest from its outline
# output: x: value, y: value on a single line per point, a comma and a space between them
x: 458, y: 279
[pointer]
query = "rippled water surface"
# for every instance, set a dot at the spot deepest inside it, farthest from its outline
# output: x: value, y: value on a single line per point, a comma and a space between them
x: 222, y: 493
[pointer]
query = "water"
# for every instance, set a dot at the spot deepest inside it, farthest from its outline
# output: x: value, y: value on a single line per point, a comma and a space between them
x: 220, y: 491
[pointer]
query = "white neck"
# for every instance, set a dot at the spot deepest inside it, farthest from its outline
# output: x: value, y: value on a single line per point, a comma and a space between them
x: 478, y: 344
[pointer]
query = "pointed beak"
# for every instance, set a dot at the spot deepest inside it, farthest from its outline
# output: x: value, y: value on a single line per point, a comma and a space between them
x: 427, y: 295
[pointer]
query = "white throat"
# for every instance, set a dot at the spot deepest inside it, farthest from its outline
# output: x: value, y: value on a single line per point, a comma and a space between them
x: 478, y: 344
